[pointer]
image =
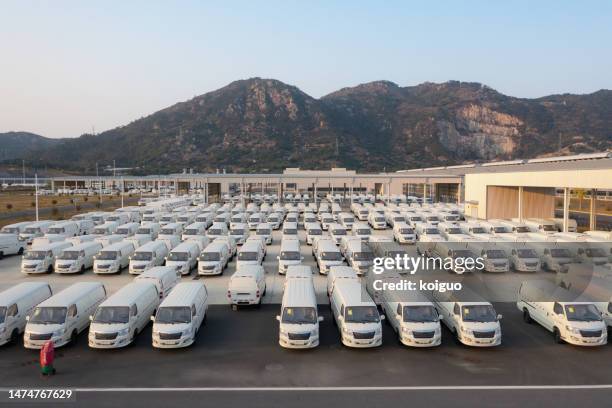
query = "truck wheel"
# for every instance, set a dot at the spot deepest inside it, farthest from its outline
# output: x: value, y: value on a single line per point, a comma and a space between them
x: 264, y: 292
x: 557, y: 336
x: 526, y: 316
x: 73, y: 338
x: 20, y: 252
x: 456, y: 336
x: 50, y: 269
x: 15, y: 336
x: 82, y: 271
x: 1, y: 254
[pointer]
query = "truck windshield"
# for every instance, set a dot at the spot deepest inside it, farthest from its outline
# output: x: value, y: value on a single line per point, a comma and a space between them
x: 2, y: 314
x: 48, y: 315
x: 7, y: 230
x: 100, y: 231
x: 107, y: 256
x: 56, y: 231
x: 363, y: 256
x: 112, y: 314
x: 144, y: 231
x: 142, y: 256
x: 560, y: 253
x: 379, y: 219
x: 431, y: 231
x: 595, y: 253
x: 262, y: 231
x: 289, y: 231
x: 500, y: 230
x: 429, y: 219
x: 247, y: 256
x: 549, y: 228
x: 521, y: 229
x: 582, y: 313
x: 173, y: 315
x: 32, y: 230
x: 363, y: 232
x: 178, y: 256
x: 35, y: 255
x: 214, y: 232
x: 331, y: 256
x: 479, y: 313
x: 453, y: 231
x: 167, y: 231
x: 123, y: 231
x: 209, y: 256
x: 462, y: 253
x: 526, y: 253
x: 419, y: 314
x: 348, y: 220
x: 339, y: 232
x: 496, y: 254
x: 69, y: 255
x: 479, y: 230
x: 406, y: 231
x: 361, y: 314
x: 237, y: 232
x: 290, y: 256
x: 299, y: 315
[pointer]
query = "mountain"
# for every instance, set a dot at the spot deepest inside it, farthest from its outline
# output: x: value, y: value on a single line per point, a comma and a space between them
x: 266, y: 125
x: 19, y: 144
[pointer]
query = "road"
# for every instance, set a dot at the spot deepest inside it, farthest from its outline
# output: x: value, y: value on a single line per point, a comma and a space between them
x: 236, y: 360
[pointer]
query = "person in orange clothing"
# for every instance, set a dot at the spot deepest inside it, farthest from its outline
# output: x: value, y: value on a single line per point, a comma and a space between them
x: 47, y: 355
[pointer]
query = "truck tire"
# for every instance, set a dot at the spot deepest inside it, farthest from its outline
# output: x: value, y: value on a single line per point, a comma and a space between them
x: 557, y: 336
x: 526, y: 316
x: 1, y: 254
x: 73, y: 338
x: 20, y: 252
x: 15, y: 336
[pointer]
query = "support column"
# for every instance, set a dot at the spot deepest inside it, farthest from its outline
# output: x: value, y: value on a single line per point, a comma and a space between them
x: 593, y: 211
x: 520, y: 204
x: 566, y: 200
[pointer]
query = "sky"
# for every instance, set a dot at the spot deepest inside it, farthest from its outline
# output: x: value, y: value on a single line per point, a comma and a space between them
x: 70, y: 67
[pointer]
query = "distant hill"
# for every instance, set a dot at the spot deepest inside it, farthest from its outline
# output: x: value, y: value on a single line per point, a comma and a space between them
x: 266, y: 125
x: 15, y: 145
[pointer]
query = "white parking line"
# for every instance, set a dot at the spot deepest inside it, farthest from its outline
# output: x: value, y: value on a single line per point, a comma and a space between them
x: 400, y: 388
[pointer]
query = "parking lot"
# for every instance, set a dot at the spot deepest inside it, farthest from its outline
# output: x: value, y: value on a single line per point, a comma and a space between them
x: 240, y: 349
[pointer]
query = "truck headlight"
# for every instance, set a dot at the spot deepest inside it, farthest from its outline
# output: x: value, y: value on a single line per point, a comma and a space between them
x: 466, y: 331
x: 571, y: 329
x: 123, y: 332
x: 2, y: 329
x: 406, y: 330
x: 58, y: 333
x: 346, y: 331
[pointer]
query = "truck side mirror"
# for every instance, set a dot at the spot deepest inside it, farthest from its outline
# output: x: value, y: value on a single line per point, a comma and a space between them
x: 321, y: 318
x: 90, y: 318
x: 382, y: 317
x: 340, y: 317
x: 152, y: 318
x: 27, y: 318
x: 440, y: 317
x: 499, y: 317
x: 278, y: 318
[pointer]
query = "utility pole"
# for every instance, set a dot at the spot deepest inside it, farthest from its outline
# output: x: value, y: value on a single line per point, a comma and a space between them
x: 122, y: 190
x: 36, y: 193
x: 23, y: 171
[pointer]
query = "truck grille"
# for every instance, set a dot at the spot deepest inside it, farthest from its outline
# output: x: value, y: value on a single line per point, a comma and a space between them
x: 423, y: 335
x: 363, y: 335
x: 106, y: 336
x: 590, y: 333
x: 170, y: 336
x: 531, y: 264
x: 484, y: 334
x: 299, y: 336
x: 41, y: 336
